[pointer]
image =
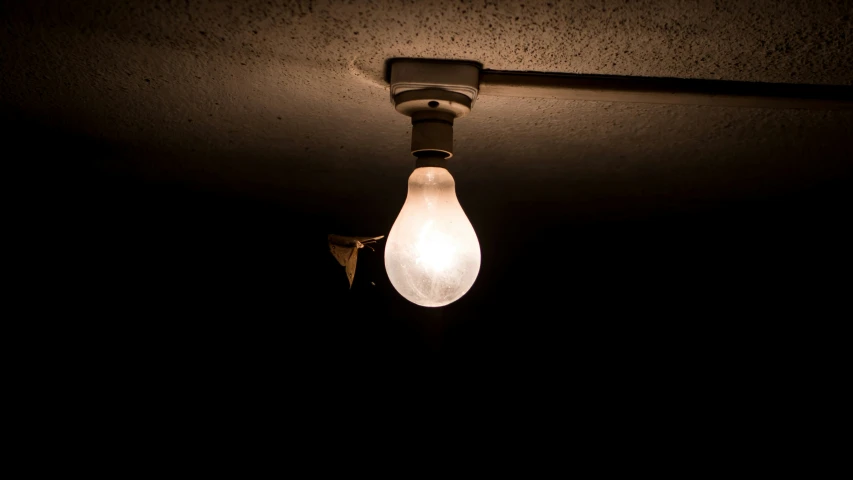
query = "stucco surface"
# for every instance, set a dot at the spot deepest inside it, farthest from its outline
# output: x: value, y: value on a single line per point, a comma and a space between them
x: 274, y: 97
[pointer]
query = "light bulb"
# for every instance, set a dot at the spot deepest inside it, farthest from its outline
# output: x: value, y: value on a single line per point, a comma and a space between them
x: 432, y: 255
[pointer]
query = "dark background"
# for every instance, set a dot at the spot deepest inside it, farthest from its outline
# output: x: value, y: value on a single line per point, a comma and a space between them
x: 170, y: 275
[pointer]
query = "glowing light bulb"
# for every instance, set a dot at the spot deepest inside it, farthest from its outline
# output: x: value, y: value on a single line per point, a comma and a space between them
x: 432, y: 255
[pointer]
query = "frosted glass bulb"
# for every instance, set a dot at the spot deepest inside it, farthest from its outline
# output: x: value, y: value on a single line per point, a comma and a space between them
x: 432, y: 255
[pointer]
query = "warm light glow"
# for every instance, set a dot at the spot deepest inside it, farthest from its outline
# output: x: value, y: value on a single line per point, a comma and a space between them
x: 434, y: 249
x: 432, y: 256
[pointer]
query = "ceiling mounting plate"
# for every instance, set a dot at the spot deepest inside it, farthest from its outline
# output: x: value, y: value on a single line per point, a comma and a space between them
x: 458, y: 77
x: 432, y: 100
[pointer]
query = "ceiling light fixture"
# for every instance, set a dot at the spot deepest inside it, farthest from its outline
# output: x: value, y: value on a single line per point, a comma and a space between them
x: 432, y: 256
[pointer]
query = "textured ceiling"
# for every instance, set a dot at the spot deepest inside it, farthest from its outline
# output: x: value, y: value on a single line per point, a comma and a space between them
x: 288, y: 96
